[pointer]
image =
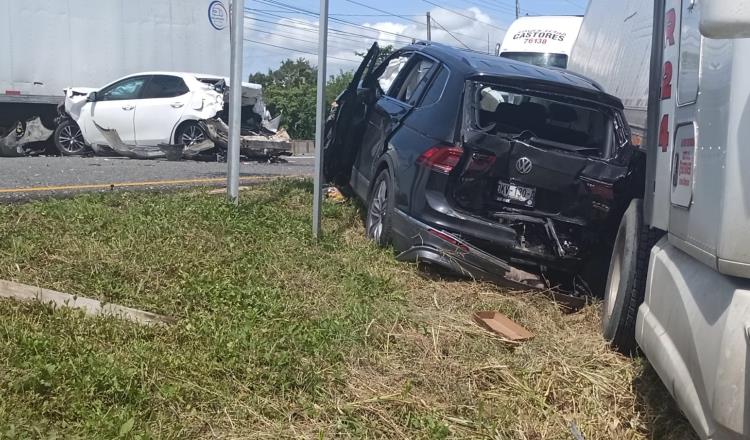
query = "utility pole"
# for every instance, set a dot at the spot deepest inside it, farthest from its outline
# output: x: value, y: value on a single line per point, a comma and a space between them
x: 429, y: 27
x: 320, y: 117
x: 237, y: 25
x: 518, y: 8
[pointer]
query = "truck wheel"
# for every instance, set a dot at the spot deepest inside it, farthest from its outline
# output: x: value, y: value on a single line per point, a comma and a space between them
x: 190, y: 133
x: 380, y: 208
x: 626, y: 281
x: 69, y: 139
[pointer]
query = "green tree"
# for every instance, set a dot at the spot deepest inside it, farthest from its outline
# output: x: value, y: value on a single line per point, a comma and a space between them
x: 290, y: 91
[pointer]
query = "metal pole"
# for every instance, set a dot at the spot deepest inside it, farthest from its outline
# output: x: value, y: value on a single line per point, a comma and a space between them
x: 320, y: 116
x: 518, y: 8
x: 235, y: 101
x: 429, y: 27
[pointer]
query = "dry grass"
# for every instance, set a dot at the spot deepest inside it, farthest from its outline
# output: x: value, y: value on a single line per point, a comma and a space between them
x: 280, y: 337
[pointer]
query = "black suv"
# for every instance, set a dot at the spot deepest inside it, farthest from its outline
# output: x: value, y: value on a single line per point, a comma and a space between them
x: 487, y: 166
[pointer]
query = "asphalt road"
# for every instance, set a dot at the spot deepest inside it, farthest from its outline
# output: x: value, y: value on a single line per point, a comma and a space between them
x: 29, y: 177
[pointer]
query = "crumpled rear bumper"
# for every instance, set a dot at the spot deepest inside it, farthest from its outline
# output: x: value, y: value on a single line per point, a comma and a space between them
x: 422, y: 242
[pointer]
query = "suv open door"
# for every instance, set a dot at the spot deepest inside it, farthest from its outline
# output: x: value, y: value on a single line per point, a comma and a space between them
x: 345, y: 125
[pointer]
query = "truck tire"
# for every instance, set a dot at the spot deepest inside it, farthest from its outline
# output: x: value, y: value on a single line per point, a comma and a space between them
x: 69, y: 139
x: 380, y: 209
x: 626, y: 280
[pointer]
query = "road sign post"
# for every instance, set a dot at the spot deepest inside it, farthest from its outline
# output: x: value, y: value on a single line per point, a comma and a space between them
x: 320, y: 117
x: 235, y: 101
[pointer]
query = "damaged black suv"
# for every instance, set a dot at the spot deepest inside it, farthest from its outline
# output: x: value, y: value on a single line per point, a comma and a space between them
x: 486, y: 166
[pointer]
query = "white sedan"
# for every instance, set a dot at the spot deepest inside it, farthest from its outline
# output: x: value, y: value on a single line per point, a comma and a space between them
x: 147, y: 109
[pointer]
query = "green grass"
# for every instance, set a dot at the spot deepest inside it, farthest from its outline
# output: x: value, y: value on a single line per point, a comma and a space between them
x: 280, y: 336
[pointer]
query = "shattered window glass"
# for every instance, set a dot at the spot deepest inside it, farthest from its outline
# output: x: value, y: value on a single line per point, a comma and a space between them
x: 415, y: 82
x: 126, y: 89
x: 435, y: 92
x: 587, y: 129
x: 391, y: 71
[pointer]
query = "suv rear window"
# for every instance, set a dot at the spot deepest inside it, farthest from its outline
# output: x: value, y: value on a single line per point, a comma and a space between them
x: 574, y: 126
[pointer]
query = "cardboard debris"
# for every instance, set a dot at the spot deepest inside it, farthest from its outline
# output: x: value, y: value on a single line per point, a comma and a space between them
x: 498, y: 323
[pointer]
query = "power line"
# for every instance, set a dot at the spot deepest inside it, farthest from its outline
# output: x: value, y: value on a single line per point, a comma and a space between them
x: 404, y: 17
x: 311, y: 28
x: 299, y: 50
x: 338, y: 20
x: 386, y: 12
x: 263, y: 31
x: 449, y: 33
x: 463, y: 15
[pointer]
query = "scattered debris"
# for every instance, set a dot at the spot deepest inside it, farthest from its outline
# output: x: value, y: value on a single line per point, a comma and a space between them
x: 92, y: 307
x: 334, y: 194
x: 18, y: 141
x: 498, y: 323
x: 577, y: 434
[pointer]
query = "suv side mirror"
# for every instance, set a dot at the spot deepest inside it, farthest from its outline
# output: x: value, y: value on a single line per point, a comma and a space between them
x: 725, y: 19
x: 93, y: 97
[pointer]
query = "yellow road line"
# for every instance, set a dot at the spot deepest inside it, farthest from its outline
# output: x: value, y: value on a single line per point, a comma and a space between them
x: 129, y: 184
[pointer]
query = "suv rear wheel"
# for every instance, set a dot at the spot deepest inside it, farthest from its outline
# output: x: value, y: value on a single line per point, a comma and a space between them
x: 626, y: 281
x: 380, y: 207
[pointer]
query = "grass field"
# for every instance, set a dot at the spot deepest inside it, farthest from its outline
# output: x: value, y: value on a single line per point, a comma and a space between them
x: 278, y: 336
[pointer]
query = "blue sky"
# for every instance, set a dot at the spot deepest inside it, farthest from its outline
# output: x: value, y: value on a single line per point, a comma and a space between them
x: 280, y: 29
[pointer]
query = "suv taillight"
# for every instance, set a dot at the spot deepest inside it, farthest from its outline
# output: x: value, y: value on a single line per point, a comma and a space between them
x: 441, y: 158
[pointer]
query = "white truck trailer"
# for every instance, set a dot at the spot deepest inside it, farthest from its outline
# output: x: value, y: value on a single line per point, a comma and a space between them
x: 541, y: 40
x: 48, y: 45
x: 679, y: 277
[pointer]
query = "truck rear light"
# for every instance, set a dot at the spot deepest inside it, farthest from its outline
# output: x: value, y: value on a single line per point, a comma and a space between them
x: 449, y: 238
x: 13, y: 92
x: 441, y: 158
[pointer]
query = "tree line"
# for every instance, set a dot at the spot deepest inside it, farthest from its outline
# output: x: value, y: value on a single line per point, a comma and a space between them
x: 289, y: 90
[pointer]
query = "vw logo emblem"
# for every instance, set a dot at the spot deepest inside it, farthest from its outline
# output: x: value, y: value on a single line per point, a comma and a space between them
x: 524, y: 165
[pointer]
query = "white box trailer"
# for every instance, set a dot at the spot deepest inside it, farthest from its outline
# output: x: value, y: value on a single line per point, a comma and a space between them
x: 679, y: 277
x: 48, y: 45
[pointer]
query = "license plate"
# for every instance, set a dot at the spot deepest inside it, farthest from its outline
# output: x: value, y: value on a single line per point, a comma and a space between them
x: 512, y: 193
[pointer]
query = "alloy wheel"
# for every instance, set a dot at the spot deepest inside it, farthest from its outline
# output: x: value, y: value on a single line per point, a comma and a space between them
x: 192, y: 135
x: 71, y: 139
x: 376, y: 213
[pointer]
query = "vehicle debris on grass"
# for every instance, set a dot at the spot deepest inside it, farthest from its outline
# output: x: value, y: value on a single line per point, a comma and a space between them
x: 498, y: 323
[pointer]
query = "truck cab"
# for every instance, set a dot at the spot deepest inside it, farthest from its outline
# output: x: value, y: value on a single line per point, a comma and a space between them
x: 679, y: 276
x: 544, y: 41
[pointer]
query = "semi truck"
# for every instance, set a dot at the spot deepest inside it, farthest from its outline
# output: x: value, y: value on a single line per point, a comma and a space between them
x: 541, y: 40
x: 678, y: 287
x: 47, y: 46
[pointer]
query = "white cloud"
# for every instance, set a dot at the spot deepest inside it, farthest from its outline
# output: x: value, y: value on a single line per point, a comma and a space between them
x: 298, y: 36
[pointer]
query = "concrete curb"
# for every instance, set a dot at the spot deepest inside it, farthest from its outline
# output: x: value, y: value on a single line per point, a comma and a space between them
x: 91, y: 307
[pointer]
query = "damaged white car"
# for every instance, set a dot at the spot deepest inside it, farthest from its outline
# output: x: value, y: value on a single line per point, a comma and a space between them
x: 165, y: 114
